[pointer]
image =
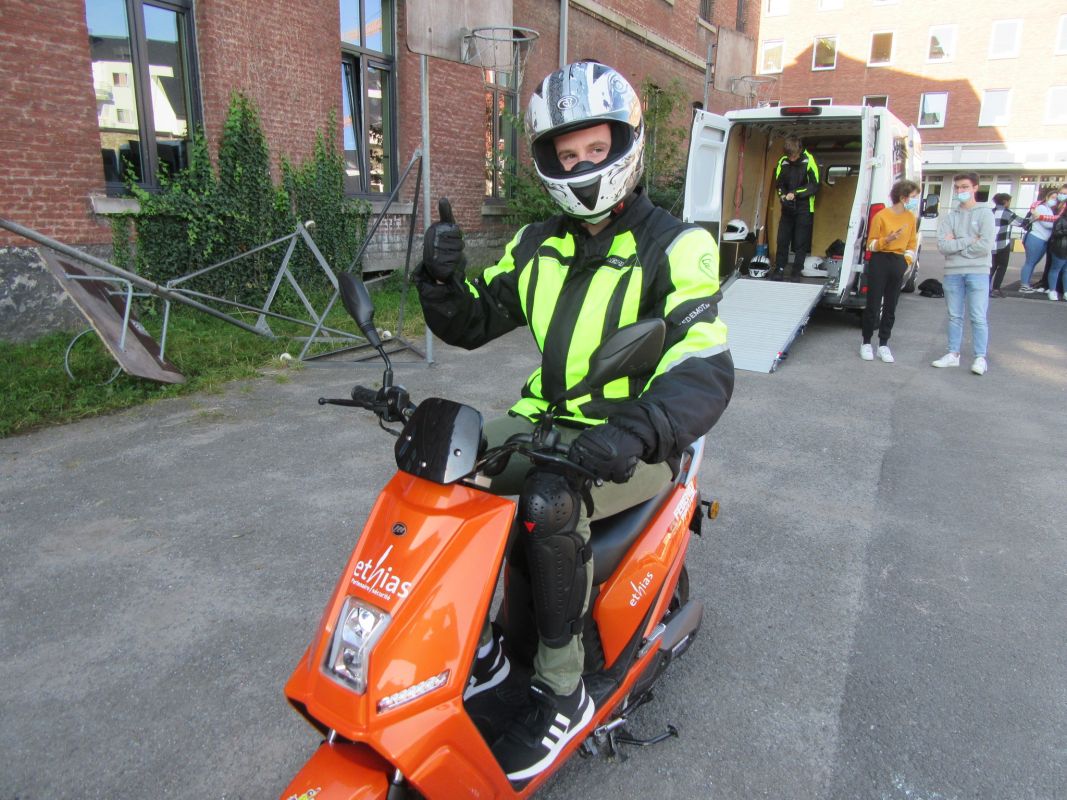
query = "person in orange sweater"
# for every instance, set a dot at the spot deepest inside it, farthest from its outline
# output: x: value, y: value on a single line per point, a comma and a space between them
x: 892, y: 243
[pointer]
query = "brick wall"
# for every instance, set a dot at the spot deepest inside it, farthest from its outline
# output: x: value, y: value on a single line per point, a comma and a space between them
x: 49, y: 145
x: 964, y: 77
x: 285, y: 56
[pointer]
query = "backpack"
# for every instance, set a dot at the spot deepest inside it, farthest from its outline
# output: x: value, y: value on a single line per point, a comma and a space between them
x: 931, y: 287
x: 1057, y: 243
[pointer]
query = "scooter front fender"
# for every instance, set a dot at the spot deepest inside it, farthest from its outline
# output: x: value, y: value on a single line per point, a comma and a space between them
x: 341, y: 771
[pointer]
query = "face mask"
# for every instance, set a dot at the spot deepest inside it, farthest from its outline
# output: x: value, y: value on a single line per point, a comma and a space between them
x: 1062, y: 196
x: 1052, y: 202
x: 912, y: 204
x: 963, y: 197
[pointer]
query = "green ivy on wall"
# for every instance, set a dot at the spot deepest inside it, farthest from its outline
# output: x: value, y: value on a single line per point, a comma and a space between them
x: 201, y: 216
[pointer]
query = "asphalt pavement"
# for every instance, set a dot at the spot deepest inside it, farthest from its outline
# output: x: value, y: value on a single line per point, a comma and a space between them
x: 884, y: 589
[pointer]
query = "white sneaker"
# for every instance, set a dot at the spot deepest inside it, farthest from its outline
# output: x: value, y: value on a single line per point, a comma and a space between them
x: 979, y: 367
x: 866, y: 352
x: 1053, y: 295
x: 1027, y: 289
x: 947, y: 360
x: 885, y: 354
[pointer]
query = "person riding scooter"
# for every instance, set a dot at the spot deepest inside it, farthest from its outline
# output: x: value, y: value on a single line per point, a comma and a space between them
x: 609, y: 259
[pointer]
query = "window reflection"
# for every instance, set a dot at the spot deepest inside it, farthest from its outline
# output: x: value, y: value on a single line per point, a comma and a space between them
x: 113, y: 82
x: 350, y: 22
x: 138, y: 102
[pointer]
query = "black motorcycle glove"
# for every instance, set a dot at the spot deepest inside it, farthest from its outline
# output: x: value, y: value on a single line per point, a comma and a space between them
x: 442, y: 246
x: 608, y: 451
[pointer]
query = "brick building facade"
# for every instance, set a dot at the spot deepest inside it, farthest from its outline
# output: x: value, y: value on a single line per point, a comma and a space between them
x: 983, y: 81
x: 67, y: 66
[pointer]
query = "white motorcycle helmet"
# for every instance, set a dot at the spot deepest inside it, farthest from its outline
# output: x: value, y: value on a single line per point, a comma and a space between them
x: 578, y: 96
x: 759, y: 266
x: 736, y: 231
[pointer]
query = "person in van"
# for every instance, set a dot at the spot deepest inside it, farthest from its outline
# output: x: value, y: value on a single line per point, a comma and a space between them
x: 797, y: 180
x: 1044, y: 213
x: 1003, y: 218
x: 965, y: 237
x: 894, y: 236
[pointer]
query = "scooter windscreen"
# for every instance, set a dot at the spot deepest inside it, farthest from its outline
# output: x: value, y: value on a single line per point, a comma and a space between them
x: 440, y: 442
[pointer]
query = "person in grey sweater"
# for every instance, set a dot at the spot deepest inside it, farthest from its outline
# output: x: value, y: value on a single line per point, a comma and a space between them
x: 965, y: 236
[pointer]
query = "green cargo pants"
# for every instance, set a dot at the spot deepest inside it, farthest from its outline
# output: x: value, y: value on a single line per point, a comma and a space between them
x: 560, y: 668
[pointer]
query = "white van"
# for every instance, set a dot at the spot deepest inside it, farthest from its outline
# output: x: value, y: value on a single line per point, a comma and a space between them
x: 860, y: 151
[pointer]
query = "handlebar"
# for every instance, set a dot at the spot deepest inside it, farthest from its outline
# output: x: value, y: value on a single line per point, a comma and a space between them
x: 390, y: 403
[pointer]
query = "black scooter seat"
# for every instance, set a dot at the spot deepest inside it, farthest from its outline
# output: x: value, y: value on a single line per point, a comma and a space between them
x: 612, y: 537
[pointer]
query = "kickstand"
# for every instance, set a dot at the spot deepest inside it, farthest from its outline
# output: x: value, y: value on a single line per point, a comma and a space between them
x: 606, y: 739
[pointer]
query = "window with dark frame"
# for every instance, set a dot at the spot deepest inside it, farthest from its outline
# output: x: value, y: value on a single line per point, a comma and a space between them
x: 501, y: 108
x: 144, y: 78
x: 707, y: 8
x: 368, y: 96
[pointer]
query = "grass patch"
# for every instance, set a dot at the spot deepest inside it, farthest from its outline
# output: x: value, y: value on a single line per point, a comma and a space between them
x: 37, y: 391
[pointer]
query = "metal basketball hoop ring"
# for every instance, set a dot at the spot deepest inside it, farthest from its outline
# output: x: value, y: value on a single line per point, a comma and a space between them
x: 750, y: 86
x: 503, y: 48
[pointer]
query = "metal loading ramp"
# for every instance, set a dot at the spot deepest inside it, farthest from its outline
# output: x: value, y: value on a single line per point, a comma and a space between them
x: 763, y: 317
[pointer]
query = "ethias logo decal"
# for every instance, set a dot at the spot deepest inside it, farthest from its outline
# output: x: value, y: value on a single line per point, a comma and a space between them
x: 640, y: 588
x: 378, y: 579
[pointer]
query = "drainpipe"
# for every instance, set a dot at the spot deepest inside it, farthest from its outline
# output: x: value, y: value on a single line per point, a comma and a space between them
x: 564, y: 9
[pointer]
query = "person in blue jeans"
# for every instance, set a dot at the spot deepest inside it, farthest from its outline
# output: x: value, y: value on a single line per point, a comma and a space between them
x: 965, y: 236
x: 1045, y: 212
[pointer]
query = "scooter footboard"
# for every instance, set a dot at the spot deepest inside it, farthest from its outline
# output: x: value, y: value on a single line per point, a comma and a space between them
x: 341, y: 771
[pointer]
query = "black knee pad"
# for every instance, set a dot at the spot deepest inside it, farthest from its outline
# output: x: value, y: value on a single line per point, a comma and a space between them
x: 548, y: 512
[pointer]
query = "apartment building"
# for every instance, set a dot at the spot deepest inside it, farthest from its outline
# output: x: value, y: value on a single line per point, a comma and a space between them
x: 983, y: 80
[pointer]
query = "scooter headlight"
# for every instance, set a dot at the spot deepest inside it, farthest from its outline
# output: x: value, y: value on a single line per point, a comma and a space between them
x: 358, y: 628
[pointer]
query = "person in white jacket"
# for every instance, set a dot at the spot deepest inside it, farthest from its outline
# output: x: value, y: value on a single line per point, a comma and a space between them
x: 965, y: 236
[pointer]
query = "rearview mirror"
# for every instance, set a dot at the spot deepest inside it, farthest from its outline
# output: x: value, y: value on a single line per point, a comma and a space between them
x: 358, y: 304
x: 632, y: 350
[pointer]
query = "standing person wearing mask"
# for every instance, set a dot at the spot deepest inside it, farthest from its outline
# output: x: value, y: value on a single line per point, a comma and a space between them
x: 965, y: 236
x: 1045, y: 212
x: 1061, y: 207
x: 797, y: 180
x: 892, y: 245
x: 1003, y: 218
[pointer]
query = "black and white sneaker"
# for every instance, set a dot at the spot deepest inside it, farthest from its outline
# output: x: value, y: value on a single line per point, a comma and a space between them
x: 491, y: 667
x: 532, y: 744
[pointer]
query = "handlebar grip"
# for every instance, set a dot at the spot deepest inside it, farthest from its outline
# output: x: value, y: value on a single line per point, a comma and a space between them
x: 365, y: 396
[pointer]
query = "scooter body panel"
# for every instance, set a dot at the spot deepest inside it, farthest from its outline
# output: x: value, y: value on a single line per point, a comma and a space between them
x: 340, y: 771
x: 639, y: 582
x: 429, y: 556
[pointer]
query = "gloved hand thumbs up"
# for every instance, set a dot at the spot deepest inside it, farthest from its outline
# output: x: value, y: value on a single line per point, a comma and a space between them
x: 442, y: 246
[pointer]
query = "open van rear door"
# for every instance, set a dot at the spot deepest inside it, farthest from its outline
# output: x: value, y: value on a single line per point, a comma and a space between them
x: 704, y: 173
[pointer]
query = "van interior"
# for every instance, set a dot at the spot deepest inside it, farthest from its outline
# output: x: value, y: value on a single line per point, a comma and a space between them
x: 749, y: 194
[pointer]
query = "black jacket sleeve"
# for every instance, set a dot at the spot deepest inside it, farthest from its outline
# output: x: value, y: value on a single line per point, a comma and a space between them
x: 469, y: 313
x: 694, y: 380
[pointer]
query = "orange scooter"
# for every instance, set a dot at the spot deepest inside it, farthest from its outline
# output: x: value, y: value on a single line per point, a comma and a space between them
x: 384, y: 677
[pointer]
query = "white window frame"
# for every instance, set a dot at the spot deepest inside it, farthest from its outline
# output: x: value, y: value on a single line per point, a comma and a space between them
x: 768, y: 103
x: 892, y: 48
x: 1060, y: 48
x: 866, y: 97
x: 995, y: 123
x: 1056, y: 105
x: 830, y: 5
x: 952, y: 30
x: 820, y: 101
x: 815, y: 50
x: 1014, y: 53
x: 763, y: 56
x: 777, y: 8
x: 922, y: 104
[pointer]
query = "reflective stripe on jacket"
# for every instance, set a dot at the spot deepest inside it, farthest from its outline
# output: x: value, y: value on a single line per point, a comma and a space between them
x: 572, y: 290
x: 804, y: 183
